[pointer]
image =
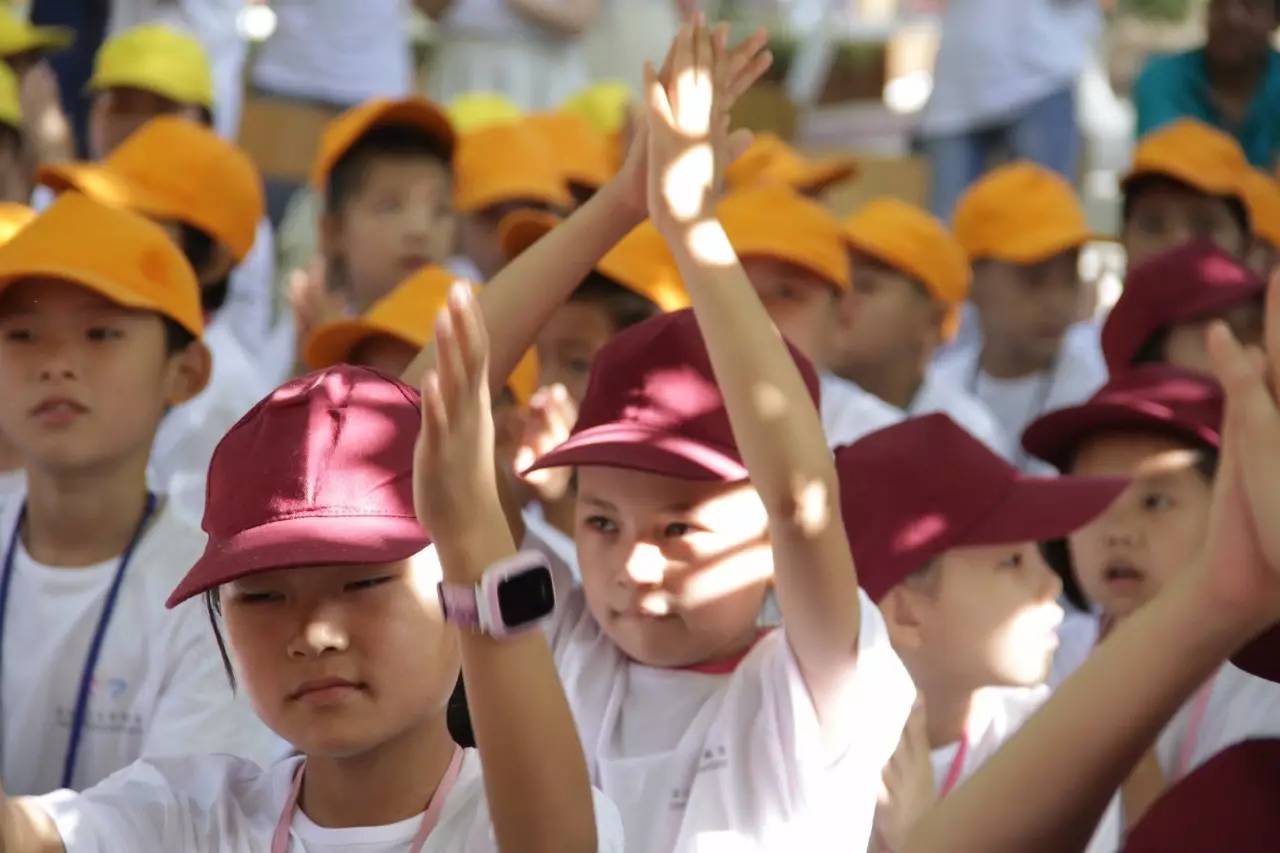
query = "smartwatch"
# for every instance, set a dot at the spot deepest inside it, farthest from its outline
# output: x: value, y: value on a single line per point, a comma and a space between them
x: 513, y: 595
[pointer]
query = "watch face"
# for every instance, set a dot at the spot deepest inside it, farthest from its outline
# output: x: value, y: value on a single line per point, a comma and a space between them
x: 526, y: 597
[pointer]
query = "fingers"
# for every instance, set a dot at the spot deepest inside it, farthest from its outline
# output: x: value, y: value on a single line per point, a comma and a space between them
x: 659, y: 105
x: 746, y: 63
x: 434, y: 420
x: 468, y: 325
x: 737, y: 144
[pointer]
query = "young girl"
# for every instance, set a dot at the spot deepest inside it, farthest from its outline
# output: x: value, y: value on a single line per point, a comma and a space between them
x: 704, y: 478
x: 317, y: 564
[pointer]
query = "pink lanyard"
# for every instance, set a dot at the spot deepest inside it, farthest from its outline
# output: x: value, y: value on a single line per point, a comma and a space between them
x: 957, y: 765
x: 280, y: 840
x: 1195, y: 721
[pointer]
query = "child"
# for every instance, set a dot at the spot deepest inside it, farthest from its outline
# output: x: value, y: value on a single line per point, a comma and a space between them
x: 1262, y: 198
x: 909, y: 280
x: 499, y: 169
x: 13, y: 218
x: 795, y: 256
x: 1185, y: 183
x: 15, y: 173
x: 950, y: 557
x: 208, y: 194
x: 689, y: 508
x: 583, y: 154
x: 317, y: 569
x: 1169, y: 301
x: 769, y: 160
x: 95, y: 345
x: 1022, y: 228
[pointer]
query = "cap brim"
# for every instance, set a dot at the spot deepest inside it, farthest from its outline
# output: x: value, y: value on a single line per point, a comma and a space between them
x: 109, y: 187
x: 825, y: 173
x: 1044, y: 247
x: 1038, y: 509
x: 1119, y: 354
x: 306, y: 541
x: 638, y: 448
x: 43, y: 39
x: 1055, y: 436
x: 1261, y: 657
x: 512, y: 192
x: 1182, y: 174
x: 334, y: 342
x: 520, y: 229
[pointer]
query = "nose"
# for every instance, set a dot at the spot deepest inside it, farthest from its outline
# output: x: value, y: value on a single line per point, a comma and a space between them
x: 320, y: 633
x: 57, y: 362
x: 645, y: 565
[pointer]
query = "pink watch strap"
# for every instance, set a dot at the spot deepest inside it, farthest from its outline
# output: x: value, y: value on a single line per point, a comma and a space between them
x: 459, y: 604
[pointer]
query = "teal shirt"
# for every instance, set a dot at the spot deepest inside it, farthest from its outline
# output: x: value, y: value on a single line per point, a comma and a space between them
x: 1177, y: 86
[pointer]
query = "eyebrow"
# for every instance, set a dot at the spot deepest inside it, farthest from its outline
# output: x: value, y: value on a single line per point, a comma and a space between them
x: 681, y: 507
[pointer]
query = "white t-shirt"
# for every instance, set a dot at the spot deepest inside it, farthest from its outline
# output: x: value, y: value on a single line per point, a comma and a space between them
x: 1240, y: 707
x: 1077, y: 636
x: 939, y: 395
x: 1078, y: 373
x: 997, y: 56
x: 215, y: 802
x: 12, y: 481
x: 558, y: 547
x: 848, y: 412
x: 697, y: 761
x: 250, y: 309
x: 159, y: 687
x: 337, y: 51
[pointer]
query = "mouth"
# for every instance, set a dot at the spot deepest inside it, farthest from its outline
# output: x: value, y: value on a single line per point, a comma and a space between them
x: 1123, y: 575
x: 58, y: 410
x: 325, y: 690
x: 411, y: 263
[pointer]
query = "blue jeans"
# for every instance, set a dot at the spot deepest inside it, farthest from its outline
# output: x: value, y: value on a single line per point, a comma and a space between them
x: 1043, y: 132
x: 74, y: 66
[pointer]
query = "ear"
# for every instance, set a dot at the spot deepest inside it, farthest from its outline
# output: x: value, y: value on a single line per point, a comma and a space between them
x: 331, y: 242
x: 902, y: 616
x: 187, y: 373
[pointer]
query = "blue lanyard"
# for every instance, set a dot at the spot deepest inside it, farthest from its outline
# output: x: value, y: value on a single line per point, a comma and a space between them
x: 95, y: 647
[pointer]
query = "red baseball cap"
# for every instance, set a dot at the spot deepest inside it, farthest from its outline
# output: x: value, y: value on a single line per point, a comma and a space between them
x: 1227, y: 803
x: 913, y: 491
x: 1262, y: 656
x: 1190, y: 282
x: 1147, y: 398
x: 320, y: 473
x: 653, y: 405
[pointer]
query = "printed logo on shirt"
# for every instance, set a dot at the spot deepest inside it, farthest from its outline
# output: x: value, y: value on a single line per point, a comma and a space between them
x: 713, y: 758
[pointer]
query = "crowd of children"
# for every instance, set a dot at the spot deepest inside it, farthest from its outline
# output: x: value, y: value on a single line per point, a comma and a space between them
x: 736, y: 525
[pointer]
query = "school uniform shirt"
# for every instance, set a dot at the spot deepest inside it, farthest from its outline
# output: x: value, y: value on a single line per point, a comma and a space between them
x: 205, y: 803
x: 1077, y: 373
x: 998, y: 713
x: 158, y: 689
x: 1077, y: 636
x: 965, y: 409
x: 189, y: 433
x: 736, y: 761
x: 552, y: 542
x: 848, y: 412
x: 1239, y: 706
x: 12, y: 481
x: 251, y: 310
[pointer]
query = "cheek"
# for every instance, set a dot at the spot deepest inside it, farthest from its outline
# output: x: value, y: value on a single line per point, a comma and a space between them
x: 1186, y: 348
x: 1176, y: 538
x: 1088, y: 558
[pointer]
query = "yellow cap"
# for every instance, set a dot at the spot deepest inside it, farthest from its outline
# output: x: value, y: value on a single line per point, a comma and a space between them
x: 18, y: 35
x: 773, y: 221
x: 342, y: 134
x: 477, y: 110
x: 506, y: 162
x: 1020, y: 213
x: 639, y: 261
x: 1192, y: 153
x: 157, y: 59
x: 406, y: 314
x: 769, y: 160
x: 13, y: 218
x: 113, y: 252
x: 917, y: 243
x: 10, y: 102
x: 582, y: 153
x: 172, y: 168
x: 604, y: 105
x: 1262, y: 198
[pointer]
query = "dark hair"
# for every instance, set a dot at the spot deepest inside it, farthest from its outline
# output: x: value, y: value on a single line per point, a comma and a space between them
x: 201, y: 250
x: 624, y: 306
x: 176, y: 336
x: 213, y: 606
x: 1142, y: 183
x: 1152, y: 350
x: 385, y: 141
x: 10, y: 139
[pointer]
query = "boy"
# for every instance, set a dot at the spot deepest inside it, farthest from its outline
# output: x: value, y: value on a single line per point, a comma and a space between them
x: 769, y: 160
x: 13, y: 217
x: 1169, y: 301
x: 909, y: 280
x: 95, y: 345
x: 1262, y: 198
x: 208, y: 194
x: 582, y: 153
x: 794, y: 254
x: 1022, y: 228
x: 949, y: 554
x: 1185, y: 183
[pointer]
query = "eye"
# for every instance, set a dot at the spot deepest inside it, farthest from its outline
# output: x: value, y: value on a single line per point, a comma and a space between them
x: 103, y: 333
x: 368, y: 583
x: 18, y: 335
x: 258, y: 597
x: 580, y: 365
x: 1156, y: 501
x: 1013, y: 561
x: 600, y: 524
x: 676, y: 530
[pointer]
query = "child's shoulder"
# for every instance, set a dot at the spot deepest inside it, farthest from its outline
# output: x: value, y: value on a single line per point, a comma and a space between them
x: 169, y: 547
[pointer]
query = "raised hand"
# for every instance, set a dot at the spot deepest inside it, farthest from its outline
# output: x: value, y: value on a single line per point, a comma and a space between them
x: 547, y: 423
x: 312, y: 302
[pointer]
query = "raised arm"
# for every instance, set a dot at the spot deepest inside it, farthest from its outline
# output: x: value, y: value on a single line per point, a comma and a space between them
x: 775, y: 422
x: 25, y: 828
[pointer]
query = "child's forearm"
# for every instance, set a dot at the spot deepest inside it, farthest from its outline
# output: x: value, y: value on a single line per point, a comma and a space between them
x: 25, y: 828
x: 521, y: 298
x: 1142, y: 788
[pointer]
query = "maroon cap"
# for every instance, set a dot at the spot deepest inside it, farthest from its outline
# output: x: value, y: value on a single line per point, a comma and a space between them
x: 320, y: 473
x: 913, y: 491
x: 1148, y: 398
x: 1261, y: 657
x: 1231, y: 802
x: 653, y: 405
x: 1191, y: 282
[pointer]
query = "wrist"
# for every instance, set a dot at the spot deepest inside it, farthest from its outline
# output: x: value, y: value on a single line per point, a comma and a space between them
x: 620, y: 204
x: 470, y: 547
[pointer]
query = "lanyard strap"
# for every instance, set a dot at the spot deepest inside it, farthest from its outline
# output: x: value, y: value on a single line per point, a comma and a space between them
x: 280, y: 838
x: 957, y: 766
x: 95, y: 645
x: 1195, y: 721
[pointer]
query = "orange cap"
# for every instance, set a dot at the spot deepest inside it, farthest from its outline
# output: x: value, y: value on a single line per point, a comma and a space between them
x: 506, y: 162
x: 1193, y: 153
x: 639, y: 261
x: 172, y: 168
x: 582, y: 153
x: 13, y: 218
x: 1020, y: 213
x: 769, y: 160
x: 776, y: 222
x: 1262, y: 198
x: 408, y: 314
x: 341, y: 134
x: 917, y: 243
x: 112, y: 252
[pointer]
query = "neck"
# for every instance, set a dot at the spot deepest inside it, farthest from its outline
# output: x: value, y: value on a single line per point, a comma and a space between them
x: 391, y: 782
x: 1235, y: 78
x: 947, y: 714
x: 896, y: 383
x: 1010, y: 362
x: 9, y: 458
x: 84, y: 517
